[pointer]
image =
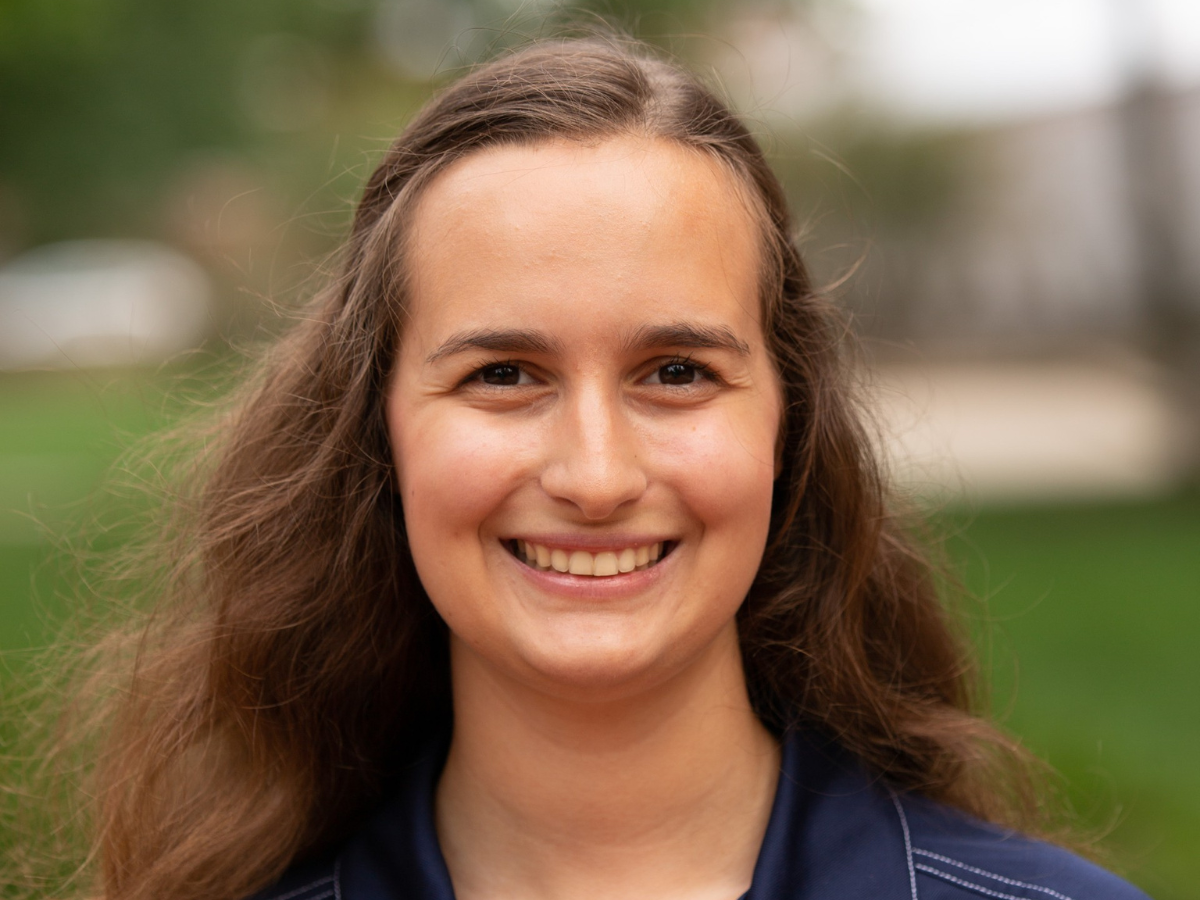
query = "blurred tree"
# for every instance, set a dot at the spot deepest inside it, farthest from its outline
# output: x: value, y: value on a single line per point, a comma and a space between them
x: 652, y: 19
x: 864, y: 195
x: 99, y: 99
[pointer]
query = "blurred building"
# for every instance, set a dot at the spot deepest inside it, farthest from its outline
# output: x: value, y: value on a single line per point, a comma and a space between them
x: 1051, y: 237
x: 1075, y: 182
x: 1016, y: 190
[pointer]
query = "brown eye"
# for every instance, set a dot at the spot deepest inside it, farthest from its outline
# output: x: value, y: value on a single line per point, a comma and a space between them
x: 501, y: 374
x: 677, y: 373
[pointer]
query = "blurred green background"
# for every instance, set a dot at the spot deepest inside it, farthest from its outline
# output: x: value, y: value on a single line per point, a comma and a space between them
x: 237, y: 133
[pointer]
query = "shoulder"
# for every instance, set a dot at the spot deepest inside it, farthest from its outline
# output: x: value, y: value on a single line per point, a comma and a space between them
x: 952, y: 856
x: 838, y: 831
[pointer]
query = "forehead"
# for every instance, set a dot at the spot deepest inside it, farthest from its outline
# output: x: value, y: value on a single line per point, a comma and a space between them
x: 625, y: 224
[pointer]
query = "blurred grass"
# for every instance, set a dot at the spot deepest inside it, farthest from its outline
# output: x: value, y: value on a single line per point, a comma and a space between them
x: 1093, y: 613
x: 59, y: 435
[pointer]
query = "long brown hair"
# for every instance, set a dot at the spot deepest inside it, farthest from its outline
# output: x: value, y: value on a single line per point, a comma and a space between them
x: 293, y: 660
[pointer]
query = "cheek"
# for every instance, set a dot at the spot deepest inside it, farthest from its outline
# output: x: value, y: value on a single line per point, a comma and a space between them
x: 449, y: 477
x: 722, y: 466
x: 452, y: 474
x: 721, y: 470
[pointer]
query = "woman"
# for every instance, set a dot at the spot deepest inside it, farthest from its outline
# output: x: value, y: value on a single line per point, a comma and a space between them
x: 547, y: 557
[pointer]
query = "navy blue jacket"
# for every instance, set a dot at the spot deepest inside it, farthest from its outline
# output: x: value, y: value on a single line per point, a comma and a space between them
x: 835, y: 833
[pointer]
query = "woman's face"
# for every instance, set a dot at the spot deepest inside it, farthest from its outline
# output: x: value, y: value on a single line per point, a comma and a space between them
x: 583, y: 380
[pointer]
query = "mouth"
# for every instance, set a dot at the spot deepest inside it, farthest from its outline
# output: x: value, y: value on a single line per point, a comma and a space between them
x: 604, y: 564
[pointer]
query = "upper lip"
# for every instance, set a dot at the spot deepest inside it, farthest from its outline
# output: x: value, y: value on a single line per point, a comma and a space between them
x: 593, y: 543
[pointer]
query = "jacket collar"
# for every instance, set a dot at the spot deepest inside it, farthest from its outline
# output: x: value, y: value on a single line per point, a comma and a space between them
x: 834, y: 833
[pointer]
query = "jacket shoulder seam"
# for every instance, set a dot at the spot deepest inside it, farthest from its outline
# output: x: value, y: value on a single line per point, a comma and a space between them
x: 969, y: 885
x: 993, y: 875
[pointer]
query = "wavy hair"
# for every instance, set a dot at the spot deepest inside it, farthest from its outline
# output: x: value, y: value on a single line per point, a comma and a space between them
x: 293, y: 660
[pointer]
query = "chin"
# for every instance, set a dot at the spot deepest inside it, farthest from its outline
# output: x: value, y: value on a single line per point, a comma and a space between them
x: 603, y: 667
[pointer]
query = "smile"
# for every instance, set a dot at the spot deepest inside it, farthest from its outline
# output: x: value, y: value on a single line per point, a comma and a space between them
x: 580, y: 562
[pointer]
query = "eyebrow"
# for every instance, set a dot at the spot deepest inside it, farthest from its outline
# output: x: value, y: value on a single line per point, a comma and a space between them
x: 497, y: 340
x: 686, y: 334
x: 647, y: 337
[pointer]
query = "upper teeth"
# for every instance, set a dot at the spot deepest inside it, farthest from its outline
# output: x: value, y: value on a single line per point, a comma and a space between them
x: 580, y: 562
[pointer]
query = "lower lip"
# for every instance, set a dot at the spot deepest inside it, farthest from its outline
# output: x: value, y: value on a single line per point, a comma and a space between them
x: 591, y: 587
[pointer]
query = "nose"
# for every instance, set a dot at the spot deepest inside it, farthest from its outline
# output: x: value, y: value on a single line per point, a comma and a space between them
x: 594, y: 459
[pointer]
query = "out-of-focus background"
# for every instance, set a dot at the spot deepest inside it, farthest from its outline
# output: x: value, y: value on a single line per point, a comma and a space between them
x: 1004, y: 193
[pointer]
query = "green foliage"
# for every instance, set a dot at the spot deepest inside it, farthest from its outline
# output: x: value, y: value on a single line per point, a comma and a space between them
x: 649, y: 19
x: 104, y: 103
x: 100, y: 99
x: 891, y: 180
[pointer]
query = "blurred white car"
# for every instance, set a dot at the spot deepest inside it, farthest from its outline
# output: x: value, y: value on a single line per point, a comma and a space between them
x: 82, y: 304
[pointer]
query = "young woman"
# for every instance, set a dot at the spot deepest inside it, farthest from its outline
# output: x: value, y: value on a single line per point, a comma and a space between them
x: 547, y: 558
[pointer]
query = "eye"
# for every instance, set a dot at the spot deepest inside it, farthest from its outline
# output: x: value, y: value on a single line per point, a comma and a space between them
x: 678, y: 372
x: 503, y: 374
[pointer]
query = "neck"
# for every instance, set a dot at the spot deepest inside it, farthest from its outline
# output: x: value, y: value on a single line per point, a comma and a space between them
x: 666, y: 792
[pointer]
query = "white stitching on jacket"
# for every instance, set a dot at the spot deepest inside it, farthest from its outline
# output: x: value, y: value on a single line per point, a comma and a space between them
x: 967, y: 884
x: 337, y: 879
x: 908, y: 849
x: 993, y: 875
x: 308, y: 887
